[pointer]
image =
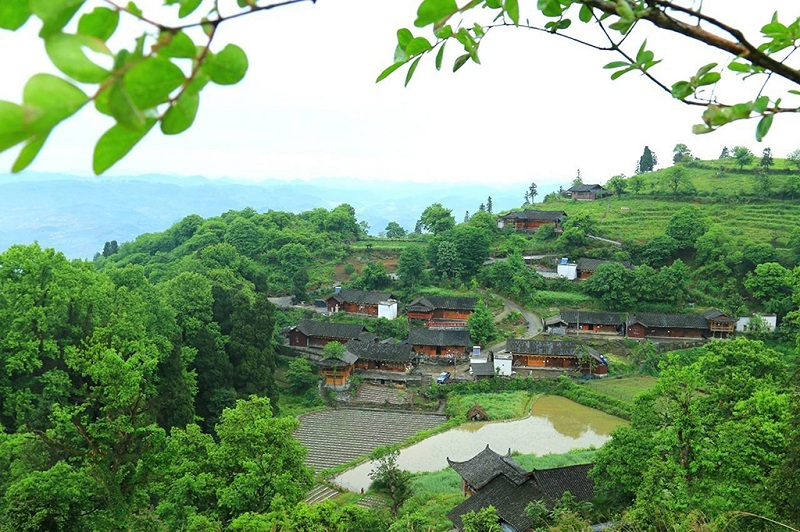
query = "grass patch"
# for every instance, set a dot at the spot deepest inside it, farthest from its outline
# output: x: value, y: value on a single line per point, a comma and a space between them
x: 623, y: 388
x: 549, y: 461
x: 550, y: 298
x: 498, y: 406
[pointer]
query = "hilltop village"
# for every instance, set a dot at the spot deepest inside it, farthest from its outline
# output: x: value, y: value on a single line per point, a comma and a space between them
x: 262, y: 370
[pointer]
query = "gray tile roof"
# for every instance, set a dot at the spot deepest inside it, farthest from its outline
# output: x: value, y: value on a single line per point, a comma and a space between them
x: 486, y: 465
x: 440, y: 337
x: 585, y: 188
x: 511, y: 498
x: 553, y: 348
x: 381, y: 351
x: 347, y: 359
x: 666, y: 321
x: 428, y: 303
x: 598, y: 318
x: 324, y: 329
x: 532, y: 214
x: 483, y: 369
x: 351, y: 295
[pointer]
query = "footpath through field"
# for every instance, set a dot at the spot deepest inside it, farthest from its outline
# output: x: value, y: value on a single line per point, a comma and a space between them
x: 534, y: 322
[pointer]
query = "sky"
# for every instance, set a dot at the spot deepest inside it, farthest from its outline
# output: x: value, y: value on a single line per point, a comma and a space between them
x: 538, y: 108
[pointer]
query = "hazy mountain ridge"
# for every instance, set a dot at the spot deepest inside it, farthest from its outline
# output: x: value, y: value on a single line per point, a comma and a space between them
x: 76, y: 215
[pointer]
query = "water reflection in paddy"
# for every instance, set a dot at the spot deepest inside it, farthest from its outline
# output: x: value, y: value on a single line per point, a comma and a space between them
x: 555, y: 425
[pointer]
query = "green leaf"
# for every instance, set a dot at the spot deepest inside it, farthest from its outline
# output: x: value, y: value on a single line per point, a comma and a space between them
x: 624, y: 10
x: 133, y: 8
x: 13, y: 14
x: 417, y: 46
x: 459, y: 62
x: 181, y: 115
x: 699, y: 129
x: 13, y: 124
x: 115, y: 144
x: 440, y: 56
x: 703, y: 70
x: 617, y: 64
x: 411, y: 70
x: 682, y: 90
x: 512, y: 8
x: 445, y: 32
x: 494, y: 4
x: 585, y: 14
x: 434, y: 11
x: 404, y: 36
x: 388, y: 70
x: 122, y: 108
x: 54, y: 13
x: 550, y: 8
x: 150, y: 82
x: 761, y: 104
x: 619, y: 73
x: 176, y: 44
x: 29, y: 152
x: 188, y: 7
x: 56, y: 98
x: 228, y: 66
x: 66, y: 52
x: 709, y: 79
x: 794, y: 91
x: 763, y: 126
x: 100, y: 23
x: 739, y: 67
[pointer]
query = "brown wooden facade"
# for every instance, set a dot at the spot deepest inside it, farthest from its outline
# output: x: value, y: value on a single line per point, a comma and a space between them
x: 382, y: 365
x: 637, y: 330
x: 298, y: 339
x: 569, y: 362
x: 353, y: 308
x: 337, y: 378
x: 440, y: 350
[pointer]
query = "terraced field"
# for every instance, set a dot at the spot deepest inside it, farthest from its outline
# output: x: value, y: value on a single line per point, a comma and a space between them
x: 335, y: 437
x: 640, y: 219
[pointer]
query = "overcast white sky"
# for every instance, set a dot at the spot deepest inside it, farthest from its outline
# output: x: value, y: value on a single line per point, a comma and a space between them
x: 537, y: 109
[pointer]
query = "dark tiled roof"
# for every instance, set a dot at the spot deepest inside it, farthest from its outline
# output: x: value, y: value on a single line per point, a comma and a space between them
x: 585, y: 188
x: 347, y: 359
x: 597, y: 318
x: 510, y: 499
x: 531, y: 214
x: 544, y: 347
x: 380, y: 351
x: 554, y: 320
x: 351, y: 295
x: 717, y: 315
x: 440, y: 337
x: 486, y: 465
x: 483, y: 369
x: 323, y: 329
x: 575, y: 479
x: 590, y: 265
x: 663, y: 321
x: 428, y: 303
x: 507, y: 498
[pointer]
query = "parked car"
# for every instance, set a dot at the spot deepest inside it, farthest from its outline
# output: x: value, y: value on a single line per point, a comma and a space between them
x: 443, y: 377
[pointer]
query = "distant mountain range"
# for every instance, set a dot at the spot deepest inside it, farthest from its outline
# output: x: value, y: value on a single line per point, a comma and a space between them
x: 77, y: 215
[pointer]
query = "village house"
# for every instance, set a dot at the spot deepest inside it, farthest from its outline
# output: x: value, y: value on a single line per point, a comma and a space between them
x: 531, y: 220
x: 544, y: 354
x: 381, y: 356
x: 378, y: 304
x: 449, y: 343
x: 442, y: 311
x: 711, y: 324
x: 318, y: 334
x: 587, y: 192
x: 587, y: 266
x: 336, y: 372
x: 489, y: 479
x: 577, y: 321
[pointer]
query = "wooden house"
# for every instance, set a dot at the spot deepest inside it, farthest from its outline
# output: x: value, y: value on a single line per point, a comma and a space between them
x: 451, y: 343
x: 720, y: 325
x: 587, y: 266
x: 587, y: 192
x: 591, y: 322
x: 711, y: 324
x: 531, y: 220
x: 543, y: 354
x: 489, y: 479
x: 442, y: 311
x: 319, y: 333
x: 382, y: 356
x: 337, y: 371
x: 378, y: 304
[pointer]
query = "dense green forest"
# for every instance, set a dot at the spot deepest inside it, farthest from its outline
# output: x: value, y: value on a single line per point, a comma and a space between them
x: 144, y: 391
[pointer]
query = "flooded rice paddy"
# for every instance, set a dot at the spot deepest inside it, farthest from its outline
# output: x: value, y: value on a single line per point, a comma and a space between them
x: 556, y: 425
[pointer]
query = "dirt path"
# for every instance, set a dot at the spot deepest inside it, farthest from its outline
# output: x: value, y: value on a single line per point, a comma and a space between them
x: 534, y: 322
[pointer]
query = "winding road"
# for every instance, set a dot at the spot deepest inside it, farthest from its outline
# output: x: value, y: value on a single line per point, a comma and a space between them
x: 534, y: 322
